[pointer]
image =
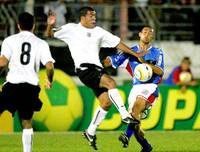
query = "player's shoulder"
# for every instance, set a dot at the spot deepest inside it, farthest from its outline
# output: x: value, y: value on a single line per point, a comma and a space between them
x: 100, y: 29
x: 156, y: 49
x: 65, y: 27
x: 10, y: 38
x: 135, y: 48
x: 70, y: 25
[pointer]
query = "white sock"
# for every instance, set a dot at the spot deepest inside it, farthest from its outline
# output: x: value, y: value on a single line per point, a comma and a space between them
x: 27, y: 136
x: 118, y: 102
x: 98, y: 117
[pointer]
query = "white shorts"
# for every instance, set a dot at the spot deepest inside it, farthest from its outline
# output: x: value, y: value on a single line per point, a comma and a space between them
x: 144, y: 90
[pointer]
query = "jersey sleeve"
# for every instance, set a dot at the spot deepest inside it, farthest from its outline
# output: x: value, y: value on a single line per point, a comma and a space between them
x: 118, y: 59
x: 60, y: 32
x: 160, y: 60
x: 46, y: 54
x: 109, y: 40
x: 6, y: 49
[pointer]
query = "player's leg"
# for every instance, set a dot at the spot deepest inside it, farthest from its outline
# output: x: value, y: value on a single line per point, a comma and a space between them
x: 100, y: 113
x: 28, y: 97
x: 90, y: 75
x: 137, y: 104
x: 125, y: 136
x: 114, y: 96
x: 95, y: 77
x: 98, y: 117
x: 27, y: 135
x: 4, y: 94
x: 25, y: 116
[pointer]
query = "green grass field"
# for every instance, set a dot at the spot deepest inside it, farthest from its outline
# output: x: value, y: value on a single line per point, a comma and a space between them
x: 162, y: 141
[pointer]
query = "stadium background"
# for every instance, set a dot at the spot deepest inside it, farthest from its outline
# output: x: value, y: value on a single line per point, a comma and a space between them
x: 69, y: 105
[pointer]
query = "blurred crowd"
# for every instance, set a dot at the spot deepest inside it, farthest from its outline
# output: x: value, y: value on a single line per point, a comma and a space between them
x: 178, y: 12
x: 181, y: 15
x: 143, y: 2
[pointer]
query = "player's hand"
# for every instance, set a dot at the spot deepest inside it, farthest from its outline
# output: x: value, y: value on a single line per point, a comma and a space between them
x: 51, y: 20
x: 107, y: 62
x: 48, y: 84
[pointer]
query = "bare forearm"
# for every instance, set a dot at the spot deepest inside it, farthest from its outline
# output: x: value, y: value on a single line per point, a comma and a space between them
x: 50, y: 74
x: 156, y: 70
x: 124, y: 48
x: 50, y: 71
x: 49, y: 31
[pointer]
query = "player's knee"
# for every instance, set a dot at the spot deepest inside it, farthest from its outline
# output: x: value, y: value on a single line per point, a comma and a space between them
x: 107, y: 82
x: 106, y: 105
x: 111, y: 84
x: 139, y: 105
x: 26, y: 124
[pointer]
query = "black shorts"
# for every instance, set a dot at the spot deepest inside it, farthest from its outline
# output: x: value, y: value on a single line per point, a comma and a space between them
x: 90, y: 75
x: 22, y: 97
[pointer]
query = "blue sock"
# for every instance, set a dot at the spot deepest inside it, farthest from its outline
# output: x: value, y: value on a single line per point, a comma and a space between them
x: 143, y: 142
x: 129, y: 131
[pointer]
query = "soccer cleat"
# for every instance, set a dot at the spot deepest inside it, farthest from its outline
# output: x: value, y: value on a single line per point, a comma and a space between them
x: 91, y: 139
x: 124, y: 139
x: 129, y: 120
x: 147, y: 149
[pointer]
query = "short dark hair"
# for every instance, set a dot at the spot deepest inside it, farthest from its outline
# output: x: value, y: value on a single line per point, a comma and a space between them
x: 147, y: 26
x: 83, y: 11
x: 26, y: 21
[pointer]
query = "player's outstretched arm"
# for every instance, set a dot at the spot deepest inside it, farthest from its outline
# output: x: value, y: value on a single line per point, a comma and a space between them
x: 157, y: 70
x: 50, y: 73
x: 51, y: 21
x: 124, y: 48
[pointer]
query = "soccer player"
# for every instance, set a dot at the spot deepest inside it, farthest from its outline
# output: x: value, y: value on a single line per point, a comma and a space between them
x: 22, y: 53
x: 84, y: 40
x: 142, y: 94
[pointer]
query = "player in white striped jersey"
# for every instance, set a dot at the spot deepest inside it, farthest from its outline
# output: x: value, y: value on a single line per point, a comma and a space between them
x: 23, y: 53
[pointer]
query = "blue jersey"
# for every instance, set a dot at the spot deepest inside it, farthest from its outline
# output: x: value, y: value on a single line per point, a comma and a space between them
x: 155, y: 57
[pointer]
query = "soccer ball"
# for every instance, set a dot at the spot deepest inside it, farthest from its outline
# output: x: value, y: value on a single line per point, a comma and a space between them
x: 62, y: 108
x: 185, y: 77
x: 143, y: 72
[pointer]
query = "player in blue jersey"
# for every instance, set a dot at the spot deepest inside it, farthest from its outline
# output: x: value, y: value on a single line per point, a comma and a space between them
x: 143, y: 94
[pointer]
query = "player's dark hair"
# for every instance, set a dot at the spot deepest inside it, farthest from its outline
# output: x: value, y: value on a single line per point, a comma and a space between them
x: 83, y: 11
x: 148, y: 26
x: 26, y: 21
